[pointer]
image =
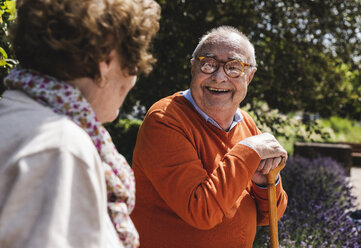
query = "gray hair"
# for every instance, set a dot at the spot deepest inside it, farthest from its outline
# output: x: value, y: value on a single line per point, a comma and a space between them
x: 221, y: 32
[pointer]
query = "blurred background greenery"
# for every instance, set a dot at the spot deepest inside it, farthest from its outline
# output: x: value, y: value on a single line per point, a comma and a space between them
x: 7, y: 58
x: 308, y: 52
x: 307, y: 86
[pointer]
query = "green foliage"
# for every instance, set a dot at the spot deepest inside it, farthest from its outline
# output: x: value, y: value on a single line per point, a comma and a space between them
x: 287, y: 128
x: 350, y: 92
x: 7, y: 16
x: 124, y: 134
x: 304, y: 51
x: 345, y: 130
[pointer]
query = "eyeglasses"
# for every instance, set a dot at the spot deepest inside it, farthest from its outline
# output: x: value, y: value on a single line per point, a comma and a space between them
x: 233, y: 68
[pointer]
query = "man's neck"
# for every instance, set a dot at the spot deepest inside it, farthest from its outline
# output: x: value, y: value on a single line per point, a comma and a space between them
x: 219, y: 118
x: 223, y: 118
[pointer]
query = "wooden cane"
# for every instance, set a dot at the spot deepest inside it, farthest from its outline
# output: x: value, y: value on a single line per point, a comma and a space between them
x: 272, y: 202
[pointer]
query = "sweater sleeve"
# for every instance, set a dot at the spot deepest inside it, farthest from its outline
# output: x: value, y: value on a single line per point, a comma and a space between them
x: 171, y: 162
x: 261, y: 197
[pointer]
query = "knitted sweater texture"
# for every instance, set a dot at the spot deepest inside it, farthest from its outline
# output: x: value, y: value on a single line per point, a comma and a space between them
x: 193, y: 181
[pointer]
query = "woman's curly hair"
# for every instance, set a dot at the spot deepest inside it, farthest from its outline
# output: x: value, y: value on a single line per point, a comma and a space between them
x: 68, y: 38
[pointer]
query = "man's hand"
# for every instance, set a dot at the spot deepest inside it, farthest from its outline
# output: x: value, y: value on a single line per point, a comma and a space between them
x: 260, y: 176
x: 266, y: 146
x: 271, y: 153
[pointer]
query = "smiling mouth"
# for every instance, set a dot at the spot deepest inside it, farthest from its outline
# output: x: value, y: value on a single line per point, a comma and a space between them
x: 217, y: 91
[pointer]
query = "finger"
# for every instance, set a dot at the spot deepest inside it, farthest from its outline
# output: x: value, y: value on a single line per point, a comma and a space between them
x: 261, y: 165
x: 283, y: 153
x: 286, y: 156
x: 268, y: 166
x: 276, y: 162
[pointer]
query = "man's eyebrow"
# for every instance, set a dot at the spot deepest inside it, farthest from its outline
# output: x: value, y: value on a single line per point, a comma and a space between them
x: 239, y: 56
x: 235, y: 58
x: 209, y: 55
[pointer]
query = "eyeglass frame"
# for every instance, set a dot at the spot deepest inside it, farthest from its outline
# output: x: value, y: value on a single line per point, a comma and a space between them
x: 200, y: 58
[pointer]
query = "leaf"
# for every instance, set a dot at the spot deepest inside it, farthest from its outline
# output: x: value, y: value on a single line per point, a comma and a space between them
x: 3, y: 53
x: 2, y: 62
x: 1, y: 18
x: 11, y: 9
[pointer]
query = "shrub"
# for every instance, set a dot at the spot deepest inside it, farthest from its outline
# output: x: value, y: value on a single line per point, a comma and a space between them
x: 287, y: 128
x: 7, y: 16
x: 124, y: 134
x: 319, y: 205
x: 345, y: 130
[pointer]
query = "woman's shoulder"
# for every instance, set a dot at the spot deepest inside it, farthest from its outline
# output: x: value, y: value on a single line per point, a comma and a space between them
x: 32, y: 128
x: 61, y: 133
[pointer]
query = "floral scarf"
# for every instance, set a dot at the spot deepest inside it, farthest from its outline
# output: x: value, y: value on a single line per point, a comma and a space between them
x: 67, y: 100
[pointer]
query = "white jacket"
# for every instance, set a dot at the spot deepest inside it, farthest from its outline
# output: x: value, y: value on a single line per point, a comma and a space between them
x: 52, y: 186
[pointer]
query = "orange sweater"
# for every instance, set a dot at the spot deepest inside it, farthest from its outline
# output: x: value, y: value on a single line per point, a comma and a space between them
x: 194, y: 185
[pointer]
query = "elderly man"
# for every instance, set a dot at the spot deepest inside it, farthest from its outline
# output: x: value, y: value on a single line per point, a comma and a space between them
x: 200, y: 162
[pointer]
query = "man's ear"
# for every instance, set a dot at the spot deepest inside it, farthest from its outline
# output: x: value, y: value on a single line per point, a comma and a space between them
x: 192, y: 66
x: 250, y: 77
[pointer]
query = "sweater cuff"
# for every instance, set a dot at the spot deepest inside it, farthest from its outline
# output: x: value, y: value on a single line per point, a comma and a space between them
x: 262, y: 194
x: 247, y: 155
x: 265, y: 187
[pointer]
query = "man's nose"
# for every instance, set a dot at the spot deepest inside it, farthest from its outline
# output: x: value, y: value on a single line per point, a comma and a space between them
x: 219, y: 75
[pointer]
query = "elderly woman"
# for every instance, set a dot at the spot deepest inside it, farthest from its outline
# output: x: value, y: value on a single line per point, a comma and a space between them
x: 62, y: 182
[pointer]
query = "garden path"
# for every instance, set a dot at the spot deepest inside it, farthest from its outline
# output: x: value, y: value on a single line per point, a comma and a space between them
x: 356, y: 182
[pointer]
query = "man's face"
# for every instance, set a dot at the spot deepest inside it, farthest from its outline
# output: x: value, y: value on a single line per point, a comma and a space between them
x: 217, y: 92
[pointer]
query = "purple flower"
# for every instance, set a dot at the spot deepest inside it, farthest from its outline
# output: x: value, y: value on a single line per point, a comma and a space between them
x: 320, y: 202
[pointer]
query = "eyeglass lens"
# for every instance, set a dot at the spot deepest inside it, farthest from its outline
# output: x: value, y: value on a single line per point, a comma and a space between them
x: 232, y: 68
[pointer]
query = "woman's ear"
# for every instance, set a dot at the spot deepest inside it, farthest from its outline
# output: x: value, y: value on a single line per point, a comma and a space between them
x: 102, y: 81
x: 104, y: 69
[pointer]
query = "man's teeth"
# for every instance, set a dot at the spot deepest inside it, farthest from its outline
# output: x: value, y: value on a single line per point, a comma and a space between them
x: 218, y: 90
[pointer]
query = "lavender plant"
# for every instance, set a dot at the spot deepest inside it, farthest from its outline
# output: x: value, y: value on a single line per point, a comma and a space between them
x: 319, y: 206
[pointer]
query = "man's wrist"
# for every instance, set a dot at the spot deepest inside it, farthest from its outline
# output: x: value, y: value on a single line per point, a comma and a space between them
x: 264, y: 186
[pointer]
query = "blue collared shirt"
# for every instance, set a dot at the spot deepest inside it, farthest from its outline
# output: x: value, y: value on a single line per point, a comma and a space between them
x: 238, y: 117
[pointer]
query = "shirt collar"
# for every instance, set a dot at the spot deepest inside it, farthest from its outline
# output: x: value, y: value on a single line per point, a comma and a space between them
x: 238, y: 117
